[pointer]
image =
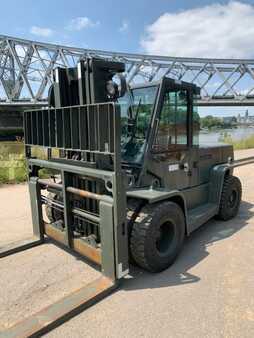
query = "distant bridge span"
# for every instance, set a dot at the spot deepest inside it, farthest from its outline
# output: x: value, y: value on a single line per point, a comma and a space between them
x: 26, y: 67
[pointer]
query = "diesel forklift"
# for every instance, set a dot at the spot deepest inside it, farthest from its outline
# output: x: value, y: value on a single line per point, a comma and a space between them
x: 128, y: 180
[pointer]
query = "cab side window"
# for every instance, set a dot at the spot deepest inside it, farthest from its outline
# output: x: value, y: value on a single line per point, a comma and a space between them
x: 172, y: 129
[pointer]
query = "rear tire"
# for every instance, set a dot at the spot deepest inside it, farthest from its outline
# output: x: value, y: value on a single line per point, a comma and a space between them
x: 157, y: 236
x: 230, y: 198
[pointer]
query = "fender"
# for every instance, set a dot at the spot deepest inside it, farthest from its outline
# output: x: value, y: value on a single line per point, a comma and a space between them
x: 217, y: 177
x: 159, y: 195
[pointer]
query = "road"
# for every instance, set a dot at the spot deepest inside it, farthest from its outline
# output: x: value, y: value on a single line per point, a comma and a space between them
x: 209, y: 291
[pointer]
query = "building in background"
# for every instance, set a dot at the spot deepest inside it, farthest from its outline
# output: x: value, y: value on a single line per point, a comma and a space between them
x: 246, y: 119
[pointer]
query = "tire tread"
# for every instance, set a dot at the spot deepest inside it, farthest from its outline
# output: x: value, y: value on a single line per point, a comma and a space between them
x: 140, y: 232
x: 228, y: 182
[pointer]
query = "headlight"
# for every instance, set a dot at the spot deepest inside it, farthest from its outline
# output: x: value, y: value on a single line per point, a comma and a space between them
x: 112, y: 89
x: 116, y: 90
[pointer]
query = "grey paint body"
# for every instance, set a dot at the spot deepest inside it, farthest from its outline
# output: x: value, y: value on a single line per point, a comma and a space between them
x: 199, y: 190
x: 99, y: 192
x: 88, y: 134
x: 192, y: 176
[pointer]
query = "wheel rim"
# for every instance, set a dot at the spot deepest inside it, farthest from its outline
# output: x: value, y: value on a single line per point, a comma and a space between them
x: 232, y: 199
x: 165, y: 238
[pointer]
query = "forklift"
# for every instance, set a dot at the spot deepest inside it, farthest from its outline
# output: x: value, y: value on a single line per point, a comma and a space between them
x: 128, y: 179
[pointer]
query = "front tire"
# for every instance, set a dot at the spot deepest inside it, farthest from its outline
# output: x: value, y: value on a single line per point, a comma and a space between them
x: 157, y: 236
x: 230, y: 198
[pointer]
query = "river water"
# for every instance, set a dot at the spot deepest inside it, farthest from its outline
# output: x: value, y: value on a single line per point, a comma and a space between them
x: 212, y: 137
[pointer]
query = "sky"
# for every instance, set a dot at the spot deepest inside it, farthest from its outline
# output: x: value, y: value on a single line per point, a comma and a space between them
x: 177, y: 28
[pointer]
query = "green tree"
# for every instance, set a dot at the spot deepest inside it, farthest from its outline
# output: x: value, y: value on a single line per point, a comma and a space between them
x: 210, y: 121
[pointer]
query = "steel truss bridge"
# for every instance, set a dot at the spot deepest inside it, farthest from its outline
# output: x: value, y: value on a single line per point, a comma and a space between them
x: 26, y: 67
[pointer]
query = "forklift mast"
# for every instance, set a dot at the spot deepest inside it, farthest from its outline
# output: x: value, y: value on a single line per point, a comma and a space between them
x: 90, y: 82
x: 79, y: 134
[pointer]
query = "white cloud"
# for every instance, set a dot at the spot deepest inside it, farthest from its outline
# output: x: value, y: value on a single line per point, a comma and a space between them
x: 41, y: 31
x: 215, y: 30
x: 79, y: 23
x: 124, y: 26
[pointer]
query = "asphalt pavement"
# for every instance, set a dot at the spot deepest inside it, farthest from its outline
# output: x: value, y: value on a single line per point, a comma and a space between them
x: 208, y: 292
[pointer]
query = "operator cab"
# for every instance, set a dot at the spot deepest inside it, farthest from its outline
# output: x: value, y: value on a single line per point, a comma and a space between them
x: 137, y: 108
x: 165, y: 110
x: 160, y: 124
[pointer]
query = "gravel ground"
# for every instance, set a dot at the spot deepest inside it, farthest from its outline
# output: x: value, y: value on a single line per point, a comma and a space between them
x: 209, y: 291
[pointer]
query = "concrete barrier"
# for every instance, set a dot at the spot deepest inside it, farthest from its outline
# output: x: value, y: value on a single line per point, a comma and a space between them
x: 12, y: 162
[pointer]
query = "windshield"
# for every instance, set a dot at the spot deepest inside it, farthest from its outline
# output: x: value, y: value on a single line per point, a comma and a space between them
x: 136, y: 111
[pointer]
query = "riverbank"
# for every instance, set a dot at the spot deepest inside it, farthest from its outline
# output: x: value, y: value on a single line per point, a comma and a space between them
x: 13, y: 165
x: 234, y: 135
x: 245, y: 143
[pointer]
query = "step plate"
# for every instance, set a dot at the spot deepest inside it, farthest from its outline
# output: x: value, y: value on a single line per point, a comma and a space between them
x: 201, y: 215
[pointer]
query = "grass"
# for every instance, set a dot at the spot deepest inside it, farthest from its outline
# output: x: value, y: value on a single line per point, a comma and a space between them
x: 13, y: 167
x: 17, y: 175
x: 12, y: 162
x: 14, y: 174
x: 244, y: 143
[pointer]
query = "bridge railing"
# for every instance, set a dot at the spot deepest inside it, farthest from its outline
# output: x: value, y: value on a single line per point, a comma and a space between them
x: 26, y: 67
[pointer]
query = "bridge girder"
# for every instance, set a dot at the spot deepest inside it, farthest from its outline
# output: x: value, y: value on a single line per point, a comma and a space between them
x: 26, y: 68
